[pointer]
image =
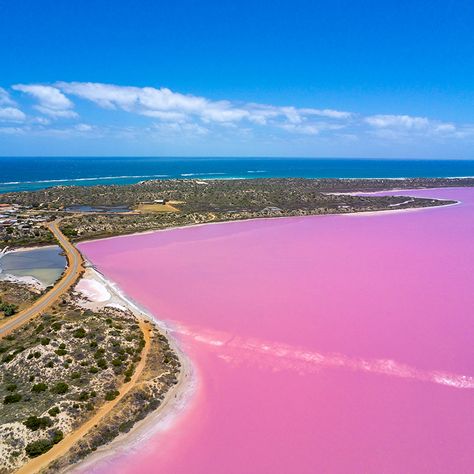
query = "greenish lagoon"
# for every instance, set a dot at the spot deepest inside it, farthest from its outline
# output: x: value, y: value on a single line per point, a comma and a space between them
x: 45, y: 264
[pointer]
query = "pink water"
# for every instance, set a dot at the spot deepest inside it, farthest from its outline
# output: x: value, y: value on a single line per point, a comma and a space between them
x: 335, y: 344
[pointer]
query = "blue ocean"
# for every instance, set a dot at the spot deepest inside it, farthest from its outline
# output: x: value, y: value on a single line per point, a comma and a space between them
x: 30, y: 173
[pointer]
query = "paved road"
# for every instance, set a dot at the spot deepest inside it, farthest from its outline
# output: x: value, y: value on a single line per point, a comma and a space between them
x: 70, y: 276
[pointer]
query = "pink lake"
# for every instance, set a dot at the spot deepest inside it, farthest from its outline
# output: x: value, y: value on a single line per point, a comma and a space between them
x: 332, y: 344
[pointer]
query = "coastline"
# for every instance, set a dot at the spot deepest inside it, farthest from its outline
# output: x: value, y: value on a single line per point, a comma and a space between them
x: 176, y: 399
x: 365, y: 213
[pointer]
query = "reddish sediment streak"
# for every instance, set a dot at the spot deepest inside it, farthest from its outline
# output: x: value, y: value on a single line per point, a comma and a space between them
x: 329, y: 344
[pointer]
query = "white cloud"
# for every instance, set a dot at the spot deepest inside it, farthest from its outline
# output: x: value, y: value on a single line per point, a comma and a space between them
x: 328, y: 113
x: 83, y: 127
x: 393, y: 127
x: 311, y: 128
x: 11, y: 114
x: 176, y: 114
x: 12, y: 130
x: 167, y: 105
x: 51, y: 100
x: 398, y: 121
x: 166, y: 116
x: 5, y: 98
x: 172, y: 128
x: 56, y: 113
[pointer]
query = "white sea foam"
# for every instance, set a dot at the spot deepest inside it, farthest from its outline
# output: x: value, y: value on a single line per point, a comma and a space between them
x: 201, y: 174
x: 96, y: 178
x: 278, y: 356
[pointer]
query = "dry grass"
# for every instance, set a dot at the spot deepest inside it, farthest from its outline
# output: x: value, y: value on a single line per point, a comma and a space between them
x: 152, y: 208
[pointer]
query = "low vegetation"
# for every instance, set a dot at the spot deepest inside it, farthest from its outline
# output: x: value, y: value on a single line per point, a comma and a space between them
x: 14, y: 297
x: 47, y: 387
x: 161, y: 372
x: 169, y: 203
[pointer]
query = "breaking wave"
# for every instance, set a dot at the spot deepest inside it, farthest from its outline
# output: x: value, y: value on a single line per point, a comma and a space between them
x: 97, y: 178
x: 201, y: 174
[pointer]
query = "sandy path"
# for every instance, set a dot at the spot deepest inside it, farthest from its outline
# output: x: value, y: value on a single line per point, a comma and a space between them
x: 58, y: 450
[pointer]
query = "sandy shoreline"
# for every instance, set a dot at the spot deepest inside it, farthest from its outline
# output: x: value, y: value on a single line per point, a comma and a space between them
x: 175, y: 400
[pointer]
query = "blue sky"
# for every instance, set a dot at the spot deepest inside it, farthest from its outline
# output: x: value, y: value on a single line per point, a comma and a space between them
x: 254, y: 78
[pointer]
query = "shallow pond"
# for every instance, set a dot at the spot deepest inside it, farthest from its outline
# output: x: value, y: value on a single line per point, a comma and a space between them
x: 45, y: 264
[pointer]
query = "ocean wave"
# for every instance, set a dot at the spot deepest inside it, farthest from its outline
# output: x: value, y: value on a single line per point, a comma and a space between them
x: 97, y: 178
x: 201, y: 174
x: 256, y: 171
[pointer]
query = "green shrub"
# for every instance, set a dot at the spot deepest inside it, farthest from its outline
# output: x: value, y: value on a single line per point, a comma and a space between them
x: 111, y: 394
x: 39, y: 328
x: 102, y: 363
x: 129, y: 372
x: 57, y: 436
x: 8, y: 309
x: 99, y: 353
x: 11, y: 387
x: 56, y: 326
x: 34, y: 423
x: 36, y: 448
x: 93, y: 370
x: 8, y: 358
x: 45, y: 341
x: 39, y: 387
x: 80, y: 333
x: 75, y: 375
x: 13, y: 398
x: 60, y: 388
x: 54, y: 411
x: 61, y: 352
